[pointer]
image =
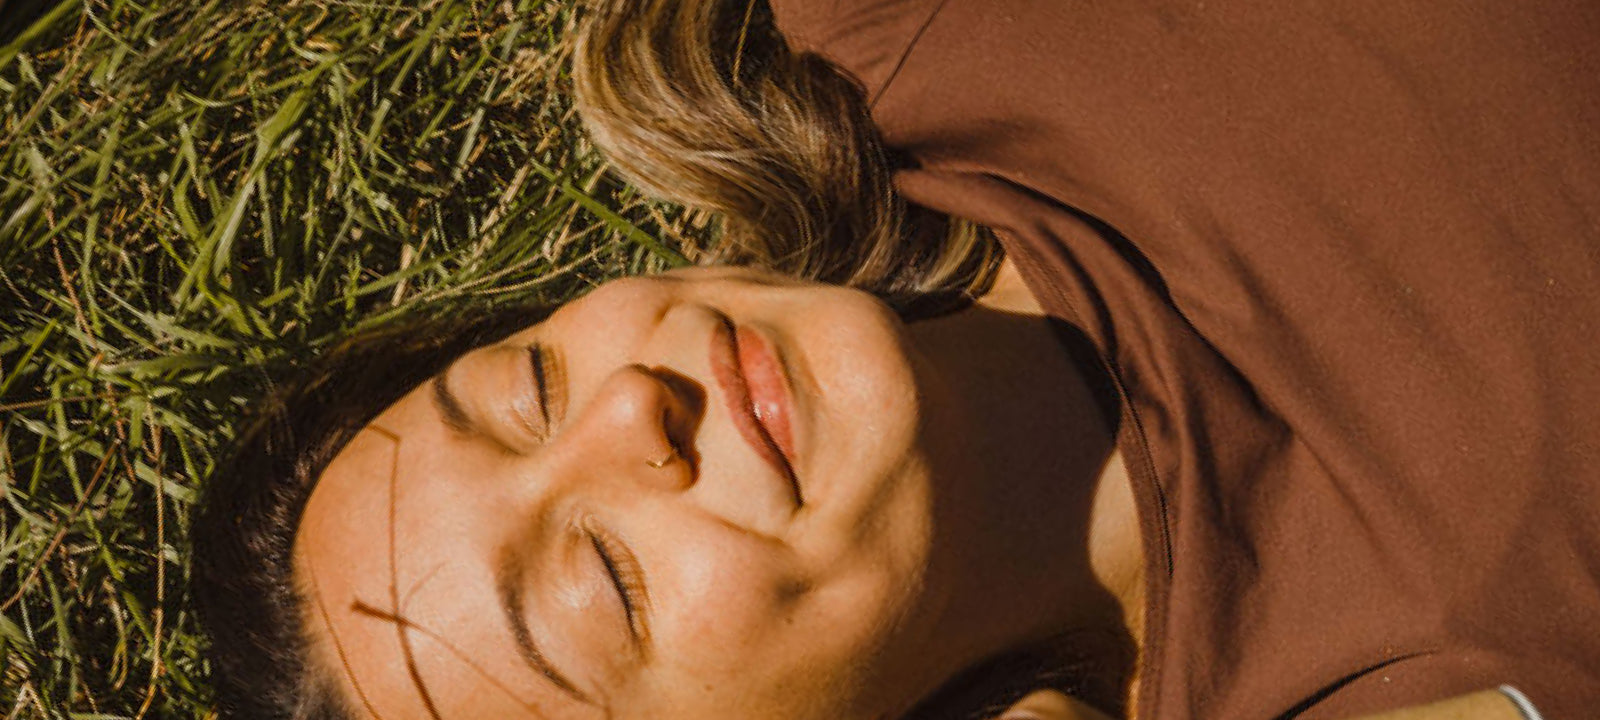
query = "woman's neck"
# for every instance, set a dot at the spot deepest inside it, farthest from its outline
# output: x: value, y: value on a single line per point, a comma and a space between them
x: 1010, y: 293
x: 1050, y: 493
x: 1116, y: 549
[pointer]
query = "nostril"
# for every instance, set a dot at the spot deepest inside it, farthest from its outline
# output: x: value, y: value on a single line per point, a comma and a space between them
x: 682, y: 413
x: 685, y: 391
x: 681, y: 443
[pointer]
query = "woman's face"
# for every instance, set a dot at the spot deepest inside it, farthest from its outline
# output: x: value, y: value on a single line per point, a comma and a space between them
x: 703, y: 494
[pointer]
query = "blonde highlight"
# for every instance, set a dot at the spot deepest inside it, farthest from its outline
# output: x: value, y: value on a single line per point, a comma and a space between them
x: 703, y: 103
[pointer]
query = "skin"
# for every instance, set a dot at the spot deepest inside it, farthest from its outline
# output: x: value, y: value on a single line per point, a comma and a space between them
x: 1483, y: 705
x: 961, y: 496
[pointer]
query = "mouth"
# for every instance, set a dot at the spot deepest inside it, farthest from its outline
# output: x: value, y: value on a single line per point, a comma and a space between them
x: 756, y: 391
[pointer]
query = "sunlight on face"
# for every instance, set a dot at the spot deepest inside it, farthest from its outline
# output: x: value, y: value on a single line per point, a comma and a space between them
x: 696, y: 495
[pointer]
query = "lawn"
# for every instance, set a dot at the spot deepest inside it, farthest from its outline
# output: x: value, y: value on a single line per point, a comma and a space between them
x: 197, y: 198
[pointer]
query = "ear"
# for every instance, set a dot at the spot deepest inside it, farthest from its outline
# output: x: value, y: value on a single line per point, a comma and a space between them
x: 1051, y: 705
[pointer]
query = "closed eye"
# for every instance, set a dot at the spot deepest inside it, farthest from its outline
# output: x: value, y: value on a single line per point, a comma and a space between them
x: 549, y: 387
x: 628, y: 579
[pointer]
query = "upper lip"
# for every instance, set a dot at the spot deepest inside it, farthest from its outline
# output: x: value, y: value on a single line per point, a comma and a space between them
x: 755, y: 391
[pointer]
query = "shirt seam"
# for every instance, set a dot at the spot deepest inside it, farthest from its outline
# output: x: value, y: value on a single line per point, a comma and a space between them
x: 1156, y: 598
x: 905, y: 55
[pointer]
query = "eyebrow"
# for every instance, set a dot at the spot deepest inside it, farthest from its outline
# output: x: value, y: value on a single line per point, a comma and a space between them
x: 508, y: 583
x: 509, y: 571
x: 450, y: 407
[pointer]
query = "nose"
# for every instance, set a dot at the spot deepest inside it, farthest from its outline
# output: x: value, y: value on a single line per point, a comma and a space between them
x: 646, y: 419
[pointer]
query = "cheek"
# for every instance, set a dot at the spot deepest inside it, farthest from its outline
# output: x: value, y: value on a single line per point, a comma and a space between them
x: 730, y: 597
x: 742, y: 630
x: 614, y: 316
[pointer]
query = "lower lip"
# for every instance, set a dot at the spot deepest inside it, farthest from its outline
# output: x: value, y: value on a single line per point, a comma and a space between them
x: 745, y: 369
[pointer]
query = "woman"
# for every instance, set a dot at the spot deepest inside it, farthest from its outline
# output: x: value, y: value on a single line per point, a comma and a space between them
x: 1281, y: 405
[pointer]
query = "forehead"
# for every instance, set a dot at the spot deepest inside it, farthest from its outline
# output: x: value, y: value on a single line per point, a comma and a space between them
x: 404, y: 609
x: 399, y: 606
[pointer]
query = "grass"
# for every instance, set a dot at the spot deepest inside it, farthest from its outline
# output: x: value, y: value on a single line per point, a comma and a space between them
x: 196, y: 198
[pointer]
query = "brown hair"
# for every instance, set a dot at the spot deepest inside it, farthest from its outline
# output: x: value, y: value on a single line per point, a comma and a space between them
x: 703, y: 103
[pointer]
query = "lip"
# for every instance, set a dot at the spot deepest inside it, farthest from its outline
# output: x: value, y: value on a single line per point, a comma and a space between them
x: 756, y: 392
x: 770, y: 395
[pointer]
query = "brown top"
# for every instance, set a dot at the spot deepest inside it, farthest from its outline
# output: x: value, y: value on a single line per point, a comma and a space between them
x: 1344, y: 259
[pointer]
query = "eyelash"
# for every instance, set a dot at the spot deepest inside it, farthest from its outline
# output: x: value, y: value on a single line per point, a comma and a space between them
x: 625, y: 576
x: 543, y: 364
